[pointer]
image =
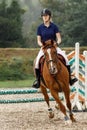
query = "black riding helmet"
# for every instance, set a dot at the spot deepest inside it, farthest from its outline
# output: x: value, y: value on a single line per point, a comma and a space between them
x: 45, y: 12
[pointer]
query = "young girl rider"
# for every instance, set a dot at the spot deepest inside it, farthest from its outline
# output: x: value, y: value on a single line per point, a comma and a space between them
x: 49, y: 31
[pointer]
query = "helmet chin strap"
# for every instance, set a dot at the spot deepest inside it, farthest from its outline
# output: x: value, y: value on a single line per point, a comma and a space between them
x: 48, y: 21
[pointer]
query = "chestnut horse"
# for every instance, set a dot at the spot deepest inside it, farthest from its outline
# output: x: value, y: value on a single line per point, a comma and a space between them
x: 56, y: 79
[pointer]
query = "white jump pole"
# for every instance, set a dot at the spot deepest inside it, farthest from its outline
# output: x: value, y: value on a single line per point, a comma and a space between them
x: 85, y: 54
x: 76, y: 99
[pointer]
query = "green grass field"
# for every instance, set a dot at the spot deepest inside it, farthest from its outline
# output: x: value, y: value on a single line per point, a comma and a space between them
x: 17, y: 84
x: 29, y: 54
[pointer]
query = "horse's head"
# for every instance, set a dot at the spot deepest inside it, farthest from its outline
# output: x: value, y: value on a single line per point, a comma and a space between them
x: 51, y: 57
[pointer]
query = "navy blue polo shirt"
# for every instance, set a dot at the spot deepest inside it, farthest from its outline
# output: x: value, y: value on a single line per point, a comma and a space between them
x: 47, y: 33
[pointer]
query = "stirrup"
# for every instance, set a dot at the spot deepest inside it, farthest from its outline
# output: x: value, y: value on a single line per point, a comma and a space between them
x: 72, y: 81
x: 35, y: 84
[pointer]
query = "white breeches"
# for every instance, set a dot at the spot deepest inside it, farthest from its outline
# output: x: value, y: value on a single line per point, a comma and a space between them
x: 40, y: 54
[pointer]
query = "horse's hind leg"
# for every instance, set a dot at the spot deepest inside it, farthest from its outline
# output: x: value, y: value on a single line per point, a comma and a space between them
x: 46, y: 97
x: 61, y: 106
x: 68, y: 103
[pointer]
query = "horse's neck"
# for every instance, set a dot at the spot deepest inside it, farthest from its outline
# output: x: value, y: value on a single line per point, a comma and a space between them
x: 46, y: 71
x: 59, y: 64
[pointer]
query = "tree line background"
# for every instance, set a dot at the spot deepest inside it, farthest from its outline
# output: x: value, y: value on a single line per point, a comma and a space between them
x: 19, y: 20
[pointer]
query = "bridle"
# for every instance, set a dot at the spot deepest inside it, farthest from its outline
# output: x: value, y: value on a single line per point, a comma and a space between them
x: 48, y: 62
x: 52, y: 61
x: 54, y: 75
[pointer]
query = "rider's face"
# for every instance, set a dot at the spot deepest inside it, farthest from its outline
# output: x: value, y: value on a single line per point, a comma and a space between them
x: 46, y: 18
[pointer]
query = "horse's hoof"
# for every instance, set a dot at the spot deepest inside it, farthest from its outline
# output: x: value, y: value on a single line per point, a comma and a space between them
x: 51, y: 115
x: 68, y: 122
x: 57, y: 107
x: 73, y: 120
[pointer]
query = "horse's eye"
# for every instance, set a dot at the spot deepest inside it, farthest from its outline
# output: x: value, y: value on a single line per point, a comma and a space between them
x: 54, y: 53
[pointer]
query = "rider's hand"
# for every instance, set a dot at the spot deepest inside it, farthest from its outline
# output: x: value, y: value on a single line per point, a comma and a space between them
x: 58, y: 42
x: 55, y: 44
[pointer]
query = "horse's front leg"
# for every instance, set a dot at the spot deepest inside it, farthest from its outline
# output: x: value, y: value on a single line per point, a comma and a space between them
x: 68, y: 103
x: 46, y: 97
x: 58, y: 101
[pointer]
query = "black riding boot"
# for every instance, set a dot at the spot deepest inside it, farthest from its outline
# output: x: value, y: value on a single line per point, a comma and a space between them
x: 71, y: 81
x: 36, y: 83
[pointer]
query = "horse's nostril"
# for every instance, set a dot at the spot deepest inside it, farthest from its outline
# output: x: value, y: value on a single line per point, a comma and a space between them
x: 53, y: 70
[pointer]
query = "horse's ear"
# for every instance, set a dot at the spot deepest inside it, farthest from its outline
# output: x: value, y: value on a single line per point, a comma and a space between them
x: 52, y: 42
x: 43, y: 43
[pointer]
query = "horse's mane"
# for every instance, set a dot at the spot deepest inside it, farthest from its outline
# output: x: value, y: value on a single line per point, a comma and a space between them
x: 48, y: 44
